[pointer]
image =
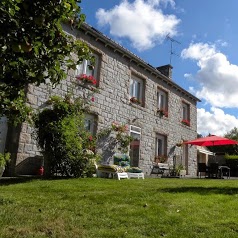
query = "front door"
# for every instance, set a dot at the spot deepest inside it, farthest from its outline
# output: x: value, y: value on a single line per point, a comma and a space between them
x: 3, y: 133
x: 134, y: 153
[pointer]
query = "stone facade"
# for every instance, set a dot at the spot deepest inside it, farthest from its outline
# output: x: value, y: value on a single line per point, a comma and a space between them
x: 112, y: 103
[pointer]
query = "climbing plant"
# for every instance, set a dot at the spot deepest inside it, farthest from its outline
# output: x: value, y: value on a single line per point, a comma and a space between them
x: 68, y: 148
x: 117, y: 137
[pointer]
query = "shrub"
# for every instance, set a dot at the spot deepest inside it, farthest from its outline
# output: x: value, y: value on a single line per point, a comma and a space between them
x: 231, y: 157
x: 66, y: 145
x: 4, y: 159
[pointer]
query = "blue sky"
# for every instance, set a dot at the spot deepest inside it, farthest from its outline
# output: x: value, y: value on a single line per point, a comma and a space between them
x: 205, y: 62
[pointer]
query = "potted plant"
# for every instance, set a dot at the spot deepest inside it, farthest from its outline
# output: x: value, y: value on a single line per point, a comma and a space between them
x: 4, y: 159
x: 180, y: 170
x: 160, y: 159
x: 86, y: 79
x: 135, y: 100
x: 185, y: 122
x: 162, y: 112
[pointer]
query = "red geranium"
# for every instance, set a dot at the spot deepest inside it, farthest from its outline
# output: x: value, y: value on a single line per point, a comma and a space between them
x: 87, y: 79
x: 186, y: 122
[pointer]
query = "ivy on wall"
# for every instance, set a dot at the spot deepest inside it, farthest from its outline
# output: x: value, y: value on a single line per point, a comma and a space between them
x: 116, y: 136
x: 68, y: 148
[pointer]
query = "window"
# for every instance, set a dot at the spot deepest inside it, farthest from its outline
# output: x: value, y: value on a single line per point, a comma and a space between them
x: 161, y: 145
x: 185, y: 114
x: 90, y: 123
x: 162, y: 102
x: 134, y: 153
x: 136, y: 90
x: 86, y: 67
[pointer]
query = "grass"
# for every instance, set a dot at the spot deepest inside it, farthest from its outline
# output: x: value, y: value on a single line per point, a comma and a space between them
x: 98, y: 208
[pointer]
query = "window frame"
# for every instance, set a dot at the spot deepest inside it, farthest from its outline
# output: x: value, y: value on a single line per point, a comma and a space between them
x: 162, y: 104
x: 164, y: 139
x: 84, y: 69
x: 92, y: 119
x: 134, y: 92
x: 185, y: 113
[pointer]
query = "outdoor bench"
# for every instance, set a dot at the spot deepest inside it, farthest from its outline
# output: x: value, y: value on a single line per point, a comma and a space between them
x: 119, y: 169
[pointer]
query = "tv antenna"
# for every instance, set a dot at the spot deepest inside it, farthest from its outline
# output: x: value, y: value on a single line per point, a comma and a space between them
x: 172, y: 52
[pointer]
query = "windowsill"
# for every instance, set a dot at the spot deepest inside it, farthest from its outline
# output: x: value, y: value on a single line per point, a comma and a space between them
x: 136, y: 104
x: 186, y: 122
x: 185, y: 125
x: 135, y: 101
x: 162, y: 112
x: 89, y: 86
x: 164, y: 117
x: 161, y: 116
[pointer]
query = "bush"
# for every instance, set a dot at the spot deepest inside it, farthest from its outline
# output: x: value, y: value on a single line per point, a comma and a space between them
x: 67, y: 146
x: 230, y: 157
x: 4, y: 159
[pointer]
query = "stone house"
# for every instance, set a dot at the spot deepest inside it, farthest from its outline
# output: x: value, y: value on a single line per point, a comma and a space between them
x: 159, y: 112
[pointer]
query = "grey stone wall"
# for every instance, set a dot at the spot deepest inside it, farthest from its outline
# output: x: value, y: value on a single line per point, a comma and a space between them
x: 113, y: 104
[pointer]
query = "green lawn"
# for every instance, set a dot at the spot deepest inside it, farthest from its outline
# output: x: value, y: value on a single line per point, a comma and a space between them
x: 127, y: 208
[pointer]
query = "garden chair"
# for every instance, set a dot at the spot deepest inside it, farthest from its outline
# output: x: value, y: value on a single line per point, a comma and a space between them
x: 213, y: 170
x: 202, y: 168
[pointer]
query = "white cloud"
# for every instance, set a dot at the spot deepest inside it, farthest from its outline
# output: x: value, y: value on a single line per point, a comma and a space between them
x: 164, y: 2
x: 217, y: 77
x: 222, y: 43
x: 141, y: 21
x: 215, y: 122
x: 198, y: 51
x: 188, y: 76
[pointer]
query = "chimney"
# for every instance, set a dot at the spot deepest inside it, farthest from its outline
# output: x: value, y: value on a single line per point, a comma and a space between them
x: 166, y: 70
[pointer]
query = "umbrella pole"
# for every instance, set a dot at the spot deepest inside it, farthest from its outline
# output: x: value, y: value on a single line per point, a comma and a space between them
x: 214, y: 155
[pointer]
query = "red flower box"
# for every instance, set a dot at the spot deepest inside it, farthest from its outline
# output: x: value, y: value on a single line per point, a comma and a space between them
x: 186, y: 122
x: 87, y: 79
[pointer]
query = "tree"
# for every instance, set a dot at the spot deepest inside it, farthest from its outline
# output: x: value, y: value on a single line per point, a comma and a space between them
x: 199, y: 135
x: 228, y: 149
x: 34, y: 48
x: 232, y: 134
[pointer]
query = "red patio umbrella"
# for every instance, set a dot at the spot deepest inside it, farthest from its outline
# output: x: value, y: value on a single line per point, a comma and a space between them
x: 212, y: 141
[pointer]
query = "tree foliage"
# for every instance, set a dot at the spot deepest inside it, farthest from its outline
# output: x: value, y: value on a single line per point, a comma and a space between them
x: 227, y: 149
x: 232, y: 134
x: 66, y: 145
x: 34, y: 48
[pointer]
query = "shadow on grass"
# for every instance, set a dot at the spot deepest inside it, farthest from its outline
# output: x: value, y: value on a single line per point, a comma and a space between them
x: 202, y: 190
x: 4, y: 181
